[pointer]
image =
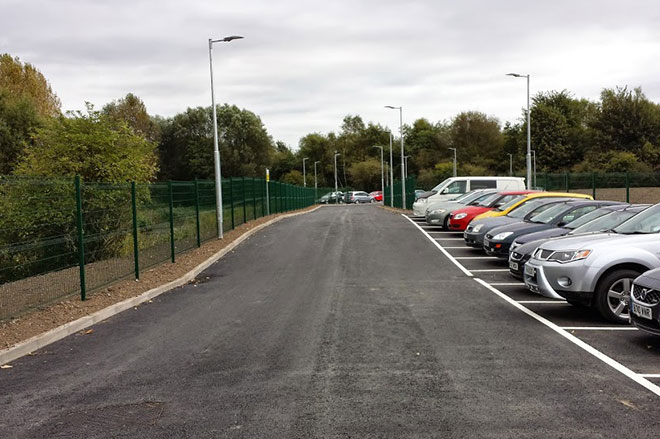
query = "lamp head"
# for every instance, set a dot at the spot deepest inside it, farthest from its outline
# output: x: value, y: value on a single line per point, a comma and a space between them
x: 231, y: 38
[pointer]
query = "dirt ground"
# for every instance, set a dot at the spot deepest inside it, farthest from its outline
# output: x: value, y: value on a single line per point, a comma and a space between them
x: 44, y: 319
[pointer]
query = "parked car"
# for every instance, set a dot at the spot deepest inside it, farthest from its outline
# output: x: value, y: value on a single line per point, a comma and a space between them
x: 376, y: 195
x: 423, y: 193
x: 506, y: 208
x: 599, y: 221
x: 332, y: 197
x: 357, y: 197
x: 598, y: 270
x: 459, y: 219
x: 498, y: 240
x: 438, y: 213
x: 645, y: 302
x: 452, y: 187
x: 532, y: 205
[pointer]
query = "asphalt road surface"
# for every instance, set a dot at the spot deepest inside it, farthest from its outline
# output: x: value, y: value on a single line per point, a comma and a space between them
x: 346, y: 322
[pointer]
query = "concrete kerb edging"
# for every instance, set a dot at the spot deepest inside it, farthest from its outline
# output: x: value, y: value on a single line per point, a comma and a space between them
x: 39, y: 341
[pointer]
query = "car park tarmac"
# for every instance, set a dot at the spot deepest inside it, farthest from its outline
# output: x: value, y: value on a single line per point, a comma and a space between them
x: 350, y: 321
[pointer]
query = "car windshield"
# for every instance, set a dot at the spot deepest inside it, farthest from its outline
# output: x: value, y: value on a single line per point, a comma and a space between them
x: 500, y: 200
x: 644, y: 222
x: 530, y: 206
x: 481, y: 198
x: 603, y: 223
x: 488, y: 200
x: 549, y: 214
x: 584, y: 219
x: 438, y: 187
x: 469, y: 197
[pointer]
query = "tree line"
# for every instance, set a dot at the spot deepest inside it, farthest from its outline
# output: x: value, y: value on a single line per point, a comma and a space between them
x: 121, y: 141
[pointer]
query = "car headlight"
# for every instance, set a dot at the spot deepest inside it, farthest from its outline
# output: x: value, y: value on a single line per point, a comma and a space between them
x: 422, y: 200
x: 477, y: 228
x: 501, y: 236
x: 569, y: 256
x: 460, y: 216
x: 514, y: 245
x: 438, y: 211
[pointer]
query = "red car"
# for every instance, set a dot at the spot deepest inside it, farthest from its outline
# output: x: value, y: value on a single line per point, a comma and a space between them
x: 376, y: 195
x: 459, y: 219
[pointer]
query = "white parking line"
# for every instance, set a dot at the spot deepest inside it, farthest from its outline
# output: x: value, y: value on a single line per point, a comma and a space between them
x: 490, y: 270
x: 554, y: 302
x: 448, y: 239
x: 477, y: 257
x: 441, y: 231
x: 508, y: 284
x: 639, y: 379
x: 599, y: 328
x: 650, y: 375
x: 445, y: 252
x: 459, y: 248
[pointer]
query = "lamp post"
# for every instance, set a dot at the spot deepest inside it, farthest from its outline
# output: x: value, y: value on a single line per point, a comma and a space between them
x: 510, y: 165
x: 534, y: 167
x: 403, y: 175
x: 405, y: 161
x: 216, y: 151
x: 382, y: 170
x: 304, y: 174
x: 336, y: 190
x: 391, y: 176
x: 529, y: 136
x: 454, y: 149
x: 316, y: 187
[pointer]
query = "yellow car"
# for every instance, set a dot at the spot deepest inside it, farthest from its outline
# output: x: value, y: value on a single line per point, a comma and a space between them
x: 503, y: 210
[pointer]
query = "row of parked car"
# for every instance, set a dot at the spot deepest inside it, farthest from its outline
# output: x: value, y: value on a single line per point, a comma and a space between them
x: 356, y: 197
x: 601, y: 254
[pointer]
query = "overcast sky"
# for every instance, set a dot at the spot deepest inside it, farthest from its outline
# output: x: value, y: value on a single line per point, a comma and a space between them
x: 304, y: 65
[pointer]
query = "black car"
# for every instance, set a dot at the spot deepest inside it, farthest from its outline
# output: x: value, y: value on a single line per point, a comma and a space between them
x: 645, y: 302
x: 524, y: 246
x: 477, y: 229
x: 498, y: 240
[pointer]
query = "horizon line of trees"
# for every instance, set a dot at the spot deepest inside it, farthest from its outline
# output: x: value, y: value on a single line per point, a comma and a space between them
x: 121, y: 141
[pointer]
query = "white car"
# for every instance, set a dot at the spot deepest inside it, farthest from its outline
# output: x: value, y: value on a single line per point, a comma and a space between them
x: 455, y: 186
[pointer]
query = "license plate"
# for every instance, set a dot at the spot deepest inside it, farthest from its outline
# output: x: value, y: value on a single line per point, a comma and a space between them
x: 513, y: 266
x: 486, y: 243
x: 642, y: 311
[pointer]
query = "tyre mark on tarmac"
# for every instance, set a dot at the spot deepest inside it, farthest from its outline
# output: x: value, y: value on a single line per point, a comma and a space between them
x: 636, y: 377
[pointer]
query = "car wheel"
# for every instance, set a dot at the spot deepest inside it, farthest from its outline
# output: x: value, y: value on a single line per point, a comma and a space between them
x: 445, y: 225
x: 613, y: 295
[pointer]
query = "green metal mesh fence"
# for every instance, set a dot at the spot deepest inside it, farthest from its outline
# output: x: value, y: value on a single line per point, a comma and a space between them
x: 124, y: 229
x: 398, y: 193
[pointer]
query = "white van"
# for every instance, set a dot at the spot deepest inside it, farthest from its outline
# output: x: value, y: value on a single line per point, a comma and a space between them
x: 455, y: 186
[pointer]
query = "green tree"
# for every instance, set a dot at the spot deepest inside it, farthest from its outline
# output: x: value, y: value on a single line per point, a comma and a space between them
x: 293, y: 177
x: 23, y: 79
x: 478, y: 139
x: 131, y: 109
x: 92, y: 146
x: 365, y: 175
x: 18, y: 121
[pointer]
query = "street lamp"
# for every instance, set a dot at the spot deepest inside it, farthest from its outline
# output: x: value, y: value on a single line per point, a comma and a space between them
x: 336, y: 190
x: 454, y: 149
x: 403, y: 175
x: 510, y: 164
x: 316, y: 187
x: 304, y: 175
x: 382, y: 170
x: 391, y: 176
x: 534, y: 166
x: 529, y: 136
x: 405, y: 160
x: 216, y: 151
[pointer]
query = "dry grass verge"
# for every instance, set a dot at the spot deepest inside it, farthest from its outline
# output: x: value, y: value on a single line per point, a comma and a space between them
x: 44, y: 319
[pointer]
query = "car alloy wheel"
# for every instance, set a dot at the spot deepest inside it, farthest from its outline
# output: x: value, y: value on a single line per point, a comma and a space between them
x: 613, y: 295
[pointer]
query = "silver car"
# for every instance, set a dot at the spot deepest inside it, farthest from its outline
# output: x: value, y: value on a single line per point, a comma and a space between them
x: 598, y: 270
x: 438, y: 213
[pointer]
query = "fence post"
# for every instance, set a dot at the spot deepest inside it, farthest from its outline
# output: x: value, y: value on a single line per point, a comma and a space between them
x: 199, y: 238
x: 593, y: 184
x: 231, y: 200
x: 254, y: 198
x: 546, y: 181
x: 627, y: 187
x: 81, y: 239
x: 263, y: 201
x: 136, y: 249
x: 244, y: 202
x: 567, y: 183
x: 169, y: 186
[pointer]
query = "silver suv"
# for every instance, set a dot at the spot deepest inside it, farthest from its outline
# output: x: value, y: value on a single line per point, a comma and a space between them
x: 598, y: 270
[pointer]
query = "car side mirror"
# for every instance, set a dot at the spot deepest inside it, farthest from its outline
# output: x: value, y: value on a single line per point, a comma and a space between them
x: 444, y: 191
x: 562, y: 224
